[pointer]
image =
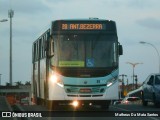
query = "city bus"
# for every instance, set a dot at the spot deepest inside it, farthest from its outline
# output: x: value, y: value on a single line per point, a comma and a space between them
x: 76, y: 63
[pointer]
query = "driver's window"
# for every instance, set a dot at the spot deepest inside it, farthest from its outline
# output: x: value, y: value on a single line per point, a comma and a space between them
x: 157, y: 80
x: 150, y: 82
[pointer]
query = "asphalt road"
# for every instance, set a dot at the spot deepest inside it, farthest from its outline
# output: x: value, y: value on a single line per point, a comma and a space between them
x: 115, y: 112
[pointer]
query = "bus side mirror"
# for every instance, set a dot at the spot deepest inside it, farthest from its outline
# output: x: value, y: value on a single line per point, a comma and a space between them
x: 50, y: 51
x: 120, y: 50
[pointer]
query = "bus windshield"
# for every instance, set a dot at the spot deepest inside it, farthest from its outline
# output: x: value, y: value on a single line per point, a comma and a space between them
x: 86, y: 50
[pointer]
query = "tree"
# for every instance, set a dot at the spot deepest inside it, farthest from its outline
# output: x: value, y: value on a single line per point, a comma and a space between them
x: 18, y: 83
x: 7, y: 84
x: 28, y: 83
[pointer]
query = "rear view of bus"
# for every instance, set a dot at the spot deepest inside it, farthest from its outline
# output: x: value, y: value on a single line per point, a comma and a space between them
x: 81, y: 64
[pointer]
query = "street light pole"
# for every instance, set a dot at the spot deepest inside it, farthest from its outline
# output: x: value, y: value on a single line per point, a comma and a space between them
x: 10, y: 15
x: 0, y: 79
x: 133, y: 65
x: 3, y: 20
x: 136, y: 80
x: 142, y: 42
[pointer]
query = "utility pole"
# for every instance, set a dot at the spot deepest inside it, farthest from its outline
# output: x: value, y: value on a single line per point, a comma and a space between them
x: 127, y: 85
x: 0, y: 79
x: 123, y: 84
x: 10, y: 15
x: 136, y: 80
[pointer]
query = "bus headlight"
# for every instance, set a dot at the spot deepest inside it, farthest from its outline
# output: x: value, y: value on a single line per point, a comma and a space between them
x: 53, y: 78
x: 111, y: 82
x: 56, y: 80
x: 75, y: 103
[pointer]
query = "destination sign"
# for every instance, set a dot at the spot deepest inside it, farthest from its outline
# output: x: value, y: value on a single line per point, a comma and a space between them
x: 83, y: 26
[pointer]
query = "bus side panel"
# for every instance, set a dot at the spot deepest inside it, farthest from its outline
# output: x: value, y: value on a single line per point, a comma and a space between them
x: 35, y: 83
x: 39, y: 82
x: 42, y: 77
x: 112, y: 92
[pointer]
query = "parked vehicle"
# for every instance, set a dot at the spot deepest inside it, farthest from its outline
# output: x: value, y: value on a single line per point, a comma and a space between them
x: 131, y: 100
x: 117, y: 102
x: 151, y: 90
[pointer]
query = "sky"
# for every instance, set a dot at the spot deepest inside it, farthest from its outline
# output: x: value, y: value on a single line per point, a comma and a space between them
x: 136, y: 20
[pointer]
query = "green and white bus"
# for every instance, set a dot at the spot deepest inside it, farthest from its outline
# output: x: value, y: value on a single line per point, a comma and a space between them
x: 76, y: 62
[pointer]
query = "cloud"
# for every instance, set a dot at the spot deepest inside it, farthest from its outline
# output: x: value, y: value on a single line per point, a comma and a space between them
x: 31, y: 18
x: 32, y: 8
x: 151, y: 23
x: 139, y: 3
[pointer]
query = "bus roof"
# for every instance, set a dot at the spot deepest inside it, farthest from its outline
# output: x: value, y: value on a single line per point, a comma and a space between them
x: 89, y: 19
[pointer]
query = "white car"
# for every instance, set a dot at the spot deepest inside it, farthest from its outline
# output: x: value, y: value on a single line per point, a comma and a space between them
x: 131, y: 100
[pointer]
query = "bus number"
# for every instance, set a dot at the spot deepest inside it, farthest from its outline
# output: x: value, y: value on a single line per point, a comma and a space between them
x: 64, y: 26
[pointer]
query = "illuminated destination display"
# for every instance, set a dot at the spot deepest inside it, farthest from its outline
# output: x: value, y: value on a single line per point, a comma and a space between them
x: 83, y: 26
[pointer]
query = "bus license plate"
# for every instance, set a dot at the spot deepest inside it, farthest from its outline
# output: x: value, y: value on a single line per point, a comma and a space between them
x: 85, y: 90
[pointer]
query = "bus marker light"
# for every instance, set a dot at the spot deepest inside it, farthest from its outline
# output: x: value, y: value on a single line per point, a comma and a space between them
x: 90, y: 104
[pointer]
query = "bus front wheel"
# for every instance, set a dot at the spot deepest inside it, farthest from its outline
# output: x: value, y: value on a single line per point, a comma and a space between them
x: 105, y: 105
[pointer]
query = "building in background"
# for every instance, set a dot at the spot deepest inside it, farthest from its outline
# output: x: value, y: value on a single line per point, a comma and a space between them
x: 16, y: 94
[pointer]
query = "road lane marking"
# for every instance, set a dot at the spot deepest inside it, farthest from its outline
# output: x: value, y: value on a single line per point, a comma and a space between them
x: 120, y: 108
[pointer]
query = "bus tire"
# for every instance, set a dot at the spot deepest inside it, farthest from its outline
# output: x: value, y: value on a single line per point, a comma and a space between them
x: 105, y: 106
